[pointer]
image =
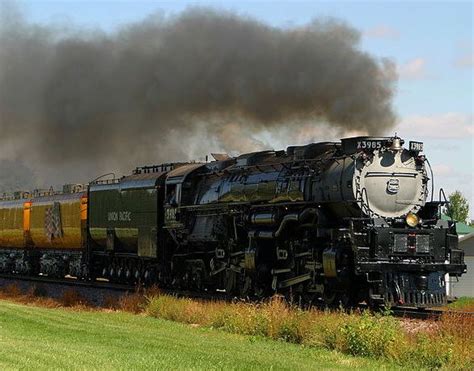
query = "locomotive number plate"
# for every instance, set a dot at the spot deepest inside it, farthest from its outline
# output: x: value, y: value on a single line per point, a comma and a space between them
x: 416, y: 146
x: 369, y: 144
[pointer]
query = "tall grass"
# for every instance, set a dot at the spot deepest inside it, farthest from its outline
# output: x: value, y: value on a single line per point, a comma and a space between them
x: 379, y: 336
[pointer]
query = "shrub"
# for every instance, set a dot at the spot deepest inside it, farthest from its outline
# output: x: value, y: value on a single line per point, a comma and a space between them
x: 285, y: 322
x: 325, y: 330
x: 238, y: 318
x: 371, y: 335
x: 175, y: 309
x: 427, y: 351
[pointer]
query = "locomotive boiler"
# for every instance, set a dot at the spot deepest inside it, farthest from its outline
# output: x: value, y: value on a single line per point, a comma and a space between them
x: 340, y: 222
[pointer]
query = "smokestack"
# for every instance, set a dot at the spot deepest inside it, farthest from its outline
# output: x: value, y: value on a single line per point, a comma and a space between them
x: 87, y: 101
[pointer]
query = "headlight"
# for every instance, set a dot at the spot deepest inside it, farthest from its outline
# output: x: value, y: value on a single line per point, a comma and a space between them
x: 412, y: 220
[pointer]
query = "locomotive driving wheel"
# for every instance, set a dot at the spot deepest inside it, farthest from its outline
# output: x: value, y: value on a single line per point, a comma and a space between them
x: 329, y: 297
x: 246, y: 287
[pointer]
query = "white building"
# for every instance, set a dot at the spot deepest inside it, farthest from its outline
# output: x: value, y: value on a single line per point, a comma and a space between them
x: 465, y: 285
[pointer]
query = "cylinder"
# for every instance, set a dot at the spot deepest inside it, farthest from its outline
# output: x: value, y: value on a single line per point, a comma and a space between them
x: 267, y: 218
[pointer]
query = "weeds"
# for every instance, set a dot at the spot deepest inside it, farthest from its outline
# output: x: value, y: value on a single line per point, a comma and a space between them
x: 460, y: 330
x: 35, y: 295
x: 359, y: 334
x: 133, y: 303
x: 12, y: 290
x: 427, y: 351
x: 71, y: 298
x: 371, y: 335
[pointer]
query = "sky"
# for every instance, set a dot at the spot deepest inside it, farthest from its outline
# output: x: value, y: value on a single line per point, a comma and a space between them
x: 430, y: 42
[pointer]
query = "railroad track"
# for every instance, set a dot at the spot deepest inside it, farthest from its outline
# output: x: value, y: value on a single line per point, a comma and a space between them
x: 429, y: 313
x: 95, y: 293
x: 68, y: 282
x: 99, y: 292
x: 414, y: 313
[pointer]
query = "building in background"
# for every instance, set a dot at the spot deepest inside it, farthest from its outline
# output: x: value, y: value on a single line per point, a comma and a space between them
x: 465, y: 285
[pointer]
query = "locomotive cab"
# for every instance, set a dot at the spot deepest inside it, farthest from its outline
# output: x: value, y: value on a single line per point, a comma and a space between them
x: 175, y: 193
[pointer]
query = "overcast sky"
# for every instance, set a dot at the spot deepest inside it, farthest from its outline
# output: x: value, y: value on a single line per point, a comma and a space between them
x: 430, y: 42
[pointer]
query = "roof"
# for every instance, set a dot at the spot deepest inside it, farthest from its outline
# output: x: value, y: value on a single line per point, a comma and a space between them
x: 134, y: 181
x: 466, y: 237
x: 179, y: 174
x: 461, y: 228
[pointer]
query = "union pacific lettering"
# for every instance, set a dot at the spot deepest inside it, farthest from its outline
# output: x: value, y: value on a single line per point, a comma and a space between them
x: 119, y: 216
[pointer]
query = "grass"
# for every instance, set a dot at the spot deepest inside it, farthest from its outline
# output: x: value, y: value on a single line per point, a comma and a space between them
x: 34, y: 337
x: 464, y: 303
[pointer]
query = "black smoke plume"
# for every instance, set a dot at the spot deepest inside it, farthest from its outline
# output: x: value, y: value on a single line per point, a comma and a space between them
x: 74, y: 103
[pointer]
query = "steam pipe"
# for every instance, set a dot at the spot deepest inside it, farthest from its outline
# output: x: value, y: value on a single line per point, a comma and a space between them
x: 287, y: 219
x: 295, y: 218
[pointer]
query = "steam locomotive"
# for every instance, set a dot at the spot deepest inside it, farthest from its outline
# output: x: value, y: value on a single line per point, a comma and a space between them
x: 341, y: 222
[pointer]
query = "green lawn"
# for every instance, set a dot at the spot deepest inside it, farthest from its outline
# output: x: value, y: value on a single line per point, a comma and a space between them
x: 39, y: 338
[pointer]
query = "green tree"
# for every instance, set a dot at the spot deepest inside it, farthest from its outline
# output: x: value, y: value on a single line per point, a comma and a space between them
x: 458, y: 207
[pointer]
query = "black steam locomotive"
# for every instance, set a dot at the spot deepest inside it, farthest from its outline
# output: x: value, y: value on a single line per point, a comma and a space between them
x: 341, y: 222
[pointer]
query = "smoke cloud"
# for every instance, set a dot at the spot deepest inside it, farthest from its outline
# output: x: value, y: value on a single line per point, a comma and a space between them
x: 75, y: 103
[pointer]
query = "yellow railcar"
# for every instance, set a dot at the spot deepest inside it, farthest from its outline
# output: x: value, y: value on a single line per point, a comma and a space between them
x: 46, y: 222
x: 11, y: 223
x: 58, y: 221
x: 36, y: 232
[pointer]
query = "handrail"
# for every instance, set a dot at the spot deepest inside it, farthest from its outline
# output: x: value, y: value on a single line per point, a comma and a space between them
x: 441, y: 193
x: 432, y: 180
x: 24, y: 195
x: 96, y: 180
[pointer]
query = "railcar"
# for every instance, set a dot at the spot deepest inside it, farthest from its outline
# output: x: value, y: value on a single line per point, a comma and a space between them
x: 44, y: 232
